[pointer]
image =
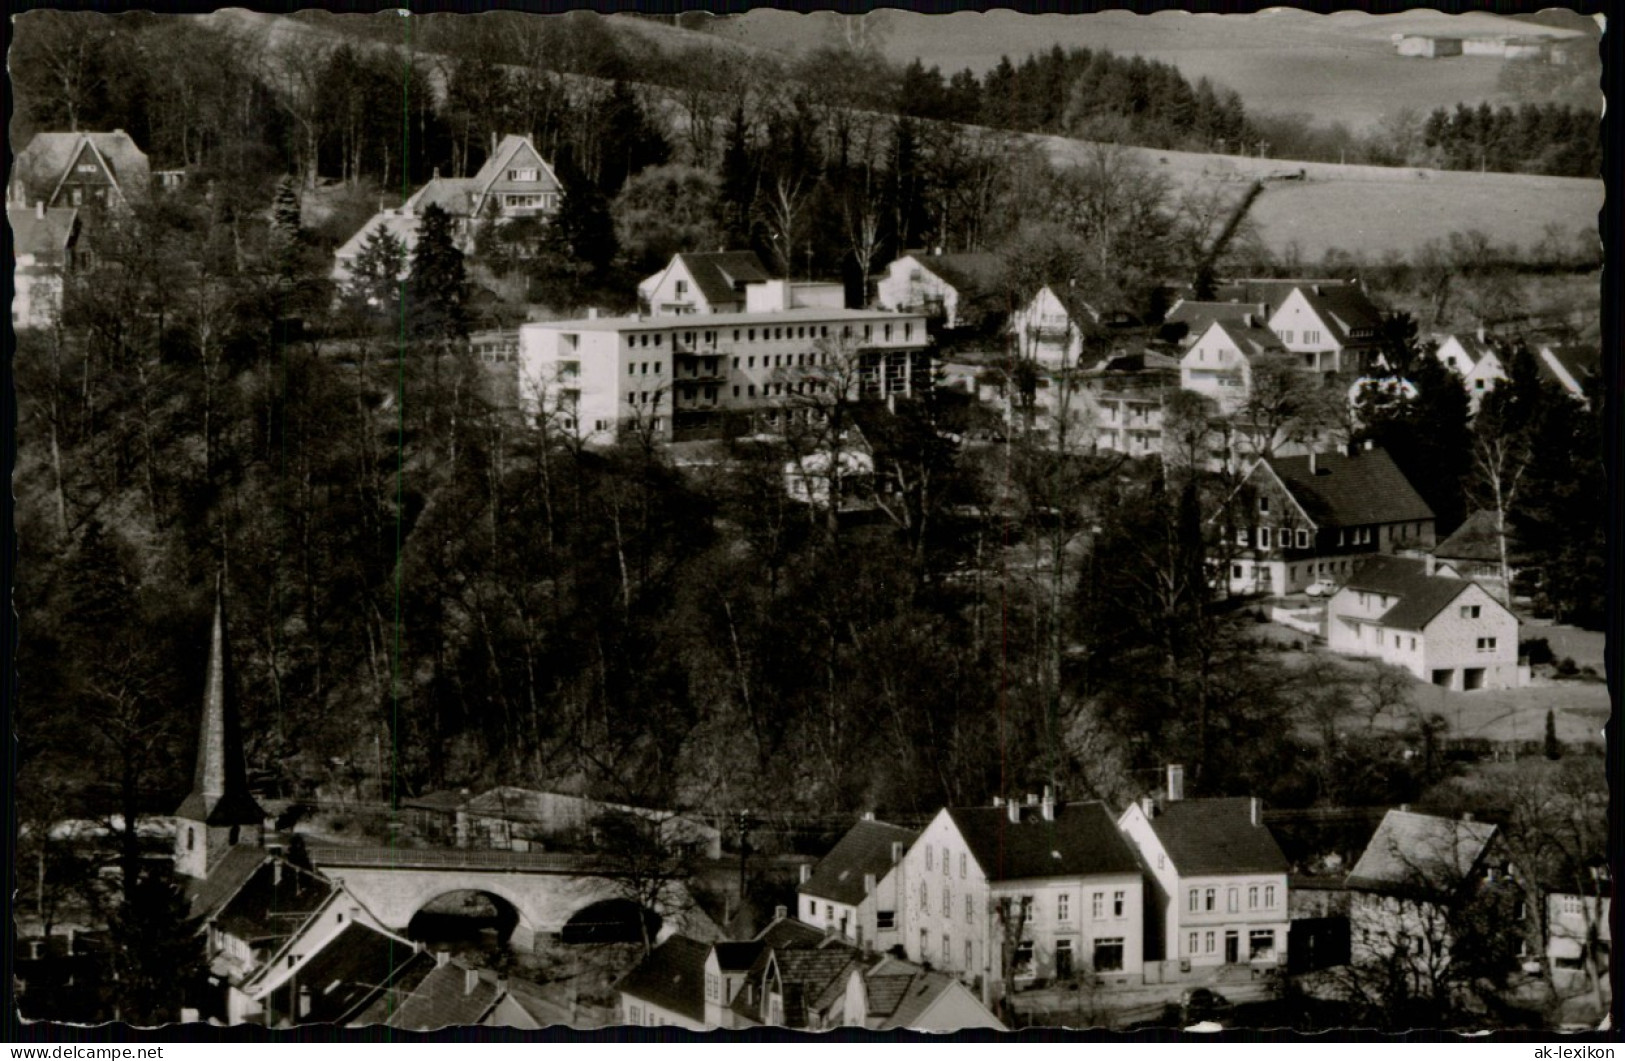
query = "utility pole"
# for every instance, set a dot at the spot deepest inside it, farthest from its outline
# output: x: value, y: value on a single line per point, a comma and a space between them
x: 744, y: 822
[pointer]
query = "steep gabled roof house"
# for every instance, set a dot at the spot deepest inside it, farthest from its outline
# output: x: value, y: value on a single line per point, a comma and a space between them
x: 853, y: 884
x: 960, y: 290
x: 668, y: 986
x: 79, y: 169
x: 712, y: 282
x: 1218, y: 363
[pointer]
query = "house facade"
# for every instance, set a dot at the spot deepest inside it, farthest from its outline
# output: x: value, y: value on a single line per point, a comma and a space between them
x: 79, y: 170
x: 1053, y: 886
x: 856, y: 889
x: 43, y: 244
x: 667, y: 989
x: 1579, y: 937
x: 514, y: 183
x: 704, y: 283
x: 678, y: 378
x: 1302, y: 518
x: 1219, y: 882
x: 1332, y: 326
x: 1474, y: 360
x: 955, y: 290
x: 1442, y: 628
x: 1057, y: 327
x: 1218, y: 364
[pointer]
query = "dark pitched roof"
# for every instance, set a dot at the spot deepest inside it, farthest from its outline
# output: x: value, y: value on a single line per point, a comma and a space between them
x: 1197, y: 316
x: 786, y: 932
x: 720, y: 275
x: 814, y: 978
x: 970, y: 274
x: 1421, y: 596
x: 865, y: 849
x: 220, y: 793
x: 450, y: 996
x: 1081, y: 839
x: 1476, y: 539
x: 1253, y: 340
x: 1216, y: 836
x: 1342, y: 305
x: 1420, y: 854
x: 1347, y: 491
x: 1470, y: 344
x: 356, y: 967
x: 440, y: 801
x: 1581, y: 362
x: 234, y: 869
x: 275, y: 902
x: 671, y: 977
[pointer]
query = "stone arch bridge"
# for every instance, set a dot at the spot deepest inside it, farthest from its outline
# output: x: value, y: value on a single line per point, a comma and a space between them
x: 546, y: 890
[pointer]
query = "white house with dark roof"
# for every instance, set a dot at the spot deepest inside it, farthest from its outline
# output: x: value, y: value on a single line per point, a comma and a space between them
x: 960, y: 290
x: 1187, y: 320
x: 515, y: 182
x: 1440, y: 627
x: 1059, y: 324
x: 1219, y: 881
x: 1218, y: 363
x: 856, y: 889
x: 1330, y: 325
x: 1056, y: 884
x: 706, y: 283
x: 1471, y: 357
x: 1414, y: 871
x: 1298, y: 519
x: 667, y: 988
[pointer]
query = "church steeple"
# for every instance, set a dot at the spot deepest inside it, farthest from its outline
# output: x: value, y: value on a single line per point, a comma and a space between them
x: 220, y: 811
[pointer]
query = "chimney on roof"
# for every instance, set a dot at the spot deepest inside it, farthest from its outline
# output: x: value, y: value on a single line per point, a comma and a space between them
x: 502, y: 984
x: 1430, y: 564
x: 868, y: 815
x: 937, y: 251
x: 276, y: 872
x: 780, y: 913
x: 441, y: 957
x: 1314, y: 464
x: 1176, y: 782
x: 998, y: 801
x: 1263, y: 309
x: 39, y: 209
x: 1257, y: 809
x: 868, y: 884
x: 1046, y: 806
x: 806, y: 872
x: 1032, y: 799
x: 1370, y: 444
x: 493, y: 141
x: 1480, y: 331
x: 1148, y: 806
x: 1315, y: 288
x: 471, y: 980
x: 1013, y: 809
x: 436, y: 174
x: 1467, y: 816
x: 896, y: 852
x: 1246, y: 320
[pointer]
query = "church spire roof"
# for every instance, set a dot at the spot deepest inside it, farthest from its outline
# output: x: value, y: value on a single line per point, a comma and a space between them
x: 220, y: 793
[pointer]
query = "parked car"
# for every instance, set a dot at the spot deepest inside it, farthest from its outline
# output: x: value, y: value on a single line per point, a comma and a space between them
x: 1204, y: 1004
x: 1321, y: 587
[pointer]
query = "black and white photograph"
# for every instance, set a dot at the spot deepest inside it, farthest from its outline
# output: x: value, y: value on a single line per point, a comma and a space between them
x: 786, y: 521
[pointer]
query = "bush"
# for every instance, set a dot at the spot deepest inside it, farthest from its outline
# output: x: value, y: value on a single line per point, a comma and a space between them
x: 1536, y: 650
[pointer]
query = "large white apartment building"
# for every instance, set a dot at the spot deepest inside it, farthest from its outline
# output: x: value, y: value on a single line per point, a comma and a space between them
x: 678, y: 377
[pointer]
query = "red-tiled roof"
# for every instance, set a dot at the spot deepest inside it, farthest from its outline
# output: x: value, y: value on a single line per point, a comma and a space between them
x: 865, y: 849
x: 1081, y: 839
x: 1205, y: 836
x: 1345, y: 491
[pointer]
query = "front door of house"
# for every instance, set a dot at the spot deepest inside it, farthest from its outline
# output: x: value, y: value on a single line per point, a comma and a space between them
x: 1232, y: 948
x: 1063, y: 960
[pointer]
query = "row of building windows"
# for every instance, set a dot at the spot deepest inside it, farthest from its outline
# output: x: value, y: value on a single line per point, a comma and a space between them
x: 1288, y: 538
x: 775, y: 334
x: 1207, y: 899
x: 1261, y: 942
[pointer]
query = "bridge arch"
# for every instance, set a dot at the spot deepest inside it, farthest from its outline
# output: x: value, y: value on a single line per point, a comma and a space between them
x: 611, y: 919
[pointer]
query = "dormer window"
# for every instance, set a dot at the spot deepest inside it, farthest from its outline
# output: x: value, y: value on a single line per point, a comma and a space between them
x: 522, y: 175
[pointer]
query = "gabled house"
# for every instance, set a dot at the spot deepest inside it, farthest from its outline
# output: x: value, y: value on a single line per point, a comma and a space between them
x: 702, y: 283
x: 1299, y: 519
x: 1442, y: 628
x: 900, y: 995
x: 1579, y: 933
x: 1219, y: 881
x: 1471, y: 357
x: 957, y: 291
x: 726, y: 968
x: 856, y: 889
x: 1415, y: 875
x: 43, y: 241
x: 1473, y: 550
x: 79, y: 170
x: 667, y: 988
x: 445, y: 993
x: 1218, y: 364
x: 1053, y: 887
x: 1060, y: 328
x: 1331, y: 325
x: 514, y: 183
x: 802, y: 988
x: 1188, y: 319
x: 341, y: 980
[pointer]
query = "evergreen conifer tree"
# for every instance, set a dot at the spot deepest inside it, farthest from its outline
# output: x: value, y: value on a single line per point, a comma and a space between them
x: 437, y: 289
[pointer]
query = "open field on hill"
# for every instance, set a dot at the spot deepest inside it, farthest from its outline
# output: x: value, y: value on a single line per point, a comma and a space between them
x: 1338, y: 66
x: 1372, y: 209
